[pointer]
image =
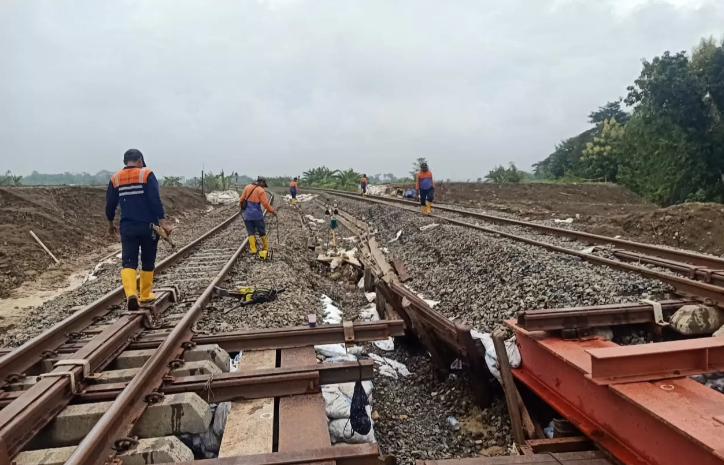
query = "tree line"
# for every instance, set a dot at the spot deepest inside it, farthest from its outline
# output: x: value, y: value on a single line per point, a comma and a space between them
x: 669, y: 148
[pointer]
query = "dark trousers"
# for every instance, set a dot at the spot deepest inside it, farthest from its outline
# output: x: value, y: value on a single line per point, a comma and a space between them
x: 426, y: 195
x: 363, y: 187
x: 293, y: 192
x: 255, y: 227
x: 133, y: 237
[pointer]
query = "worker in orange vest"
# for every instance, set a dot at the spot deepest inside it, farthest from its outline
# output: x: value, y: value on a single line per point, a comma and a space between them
x: 363, y: 184
x: 252, y: 199
x: 293, y: 191
x: 425, y: 188
x: 135, y: 188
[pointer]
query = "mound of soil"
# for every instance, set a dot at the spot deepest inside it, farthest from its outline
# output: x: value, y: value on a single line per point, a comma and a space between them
x: 694, y: 226
x: 534, y: 192
x: 70, y: 220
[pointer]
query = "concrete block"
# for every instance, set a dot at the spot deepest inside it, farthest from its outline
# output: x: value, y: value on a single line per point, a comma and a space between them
x: 203, y: 367
x: 210, y: 352
x: 176, y: 414
x: 168, y: 449
x: 131, y: 359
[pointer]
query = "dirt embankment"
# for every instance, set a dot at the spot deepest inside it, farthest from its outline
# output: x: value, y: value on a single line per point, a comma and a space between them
x: 69, y: 220
x: 694, y: 226
x: 604, y: 209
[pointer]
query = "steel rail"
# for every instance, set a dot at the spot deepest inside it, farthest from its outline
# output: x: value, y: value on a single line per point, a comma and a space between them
x: 709, y: 261
x: 22, y: 358
x: 703, y: 292
x: 128, y: 407
x: 247, y: 384
x: 284, y: 338
x: 590, y: 317
x: 37, y: 406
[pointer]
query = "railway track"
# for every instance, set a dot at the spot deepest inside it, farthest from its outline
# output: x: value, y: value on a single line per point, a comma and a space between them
x: 636, y: 403
x: 695, y: 276
x: 85, y: 390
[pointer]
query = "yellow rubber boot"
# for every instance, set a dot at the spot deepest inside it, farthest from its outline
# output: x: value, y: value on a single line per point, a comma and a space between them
x: 264, y: 253
x: 294, y: 201
x: 146, y: 284
x: 429, y: 207
x: 252, y: 244
x: 128, y: 278
x: 423, y: 208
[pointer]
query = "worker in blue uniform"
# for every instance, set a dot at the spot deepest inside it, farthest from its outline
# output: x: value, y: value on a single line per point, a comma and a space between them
x: 135, y: 189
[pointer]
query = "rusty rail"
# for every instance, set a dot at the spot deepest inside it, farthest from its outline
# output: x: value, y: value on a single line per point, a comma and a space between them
x: 574, y: 318
x: 247, y: 384
x: 37, y: 406
x: 701, y: 291
x: 709, y: 261
x: 130, y: 404
x: 20, y: 359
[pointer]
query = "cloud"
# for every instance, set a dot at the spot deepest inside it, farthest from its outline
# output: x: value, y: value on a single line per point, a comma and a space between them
x: 278, y: 86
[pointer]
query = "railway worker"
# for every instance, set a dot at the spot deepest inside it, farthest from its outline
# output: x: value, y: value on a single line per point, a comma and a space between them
x: 293, y: 191
x: 363, y: 184
x: 252, y: 199
x: 425, y: 188
x: 135, y: 188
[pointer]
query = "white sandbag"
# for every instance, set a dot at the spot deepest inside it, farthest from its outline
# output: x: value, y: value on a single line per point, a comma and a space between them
x: 348, y: 388
x: 341, y: 431
x: 330, y: 350
x: 341, y: 358
x: 386, y: 345
x: 386, y: 370
x: 336, y: 404
x: 400, y: 368
x: 370, y: 296
x: 491, y: 358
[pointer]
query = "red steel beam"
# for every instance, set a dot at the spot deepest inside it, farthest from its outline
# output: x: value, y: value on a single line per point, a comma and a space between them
x: 649, y: 362
x: 645, y: 423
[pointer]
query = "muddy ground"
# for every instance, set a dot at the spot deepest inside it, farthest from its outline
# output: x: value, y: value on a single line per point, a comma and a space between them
x: 604, y: 209
x: 70, y: 220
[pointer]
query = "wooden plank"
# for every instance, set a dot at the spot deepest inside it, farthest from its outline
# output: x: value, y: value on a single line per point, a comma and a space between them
x: 509, y: 388
x: 250, y: 425
x: 302, y: 419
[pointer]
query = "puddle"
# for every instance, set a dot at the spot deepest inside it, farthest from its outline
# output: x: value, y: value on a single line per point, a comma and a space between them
x: 12, y: 308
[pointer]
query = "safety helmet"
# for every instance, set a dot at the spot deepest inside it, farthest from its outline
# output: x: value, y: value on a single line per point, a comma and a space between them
x: 261, y: 181
x: 423, y: 166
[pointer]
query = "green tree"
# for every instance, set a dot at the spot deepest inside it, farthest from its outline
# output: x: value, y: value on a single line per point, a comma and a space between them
x: 601, y: 157
x: 608, y: 111
x: 171, y: 181
x: 416, y: 167
x: 500, y: 174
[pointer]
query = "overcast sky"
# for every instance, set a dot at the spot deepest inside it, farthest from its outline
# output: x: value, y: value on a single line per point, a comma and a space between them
x: 279, y: 86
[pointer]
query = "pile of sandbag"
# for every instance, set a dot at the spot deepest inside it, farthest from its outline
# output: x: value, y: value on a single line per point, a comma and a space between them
x: 229, y: 197
x: 338, y: 398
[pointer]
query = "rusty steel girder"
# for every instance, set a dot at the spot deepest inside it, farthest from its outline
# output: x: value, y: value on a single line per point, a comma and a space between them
x: 672, y: 421
x: 661, y: 360
x: 591, y: 317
